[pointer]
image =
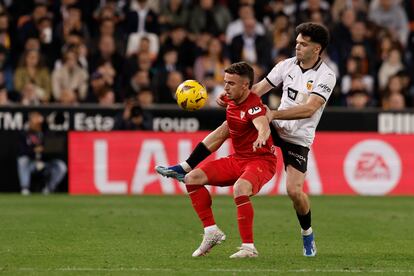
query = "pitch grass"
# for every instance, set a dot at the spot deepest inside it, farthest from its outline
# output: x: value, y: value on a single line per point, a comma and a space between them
x: 119, y: 235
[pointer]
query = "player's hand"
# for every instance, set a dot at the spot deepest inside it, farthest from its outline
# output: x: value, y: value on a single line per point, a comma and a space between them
x: 220, y: 99
x: 260, y: 142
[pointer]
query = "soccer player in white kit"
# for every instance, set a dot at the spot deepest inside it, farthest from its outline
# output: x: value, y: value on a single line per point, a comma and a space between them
x: 307, y: 84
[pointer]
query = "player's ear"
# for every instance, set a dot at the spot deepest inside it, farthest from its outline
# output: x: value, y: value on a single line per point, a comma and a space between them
x: 318, y: 49
x: 246, y: 83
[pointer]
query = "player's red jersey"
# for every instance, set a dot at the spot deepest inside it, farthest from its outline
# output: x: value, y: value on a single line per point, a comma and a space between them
x: 242, y: 130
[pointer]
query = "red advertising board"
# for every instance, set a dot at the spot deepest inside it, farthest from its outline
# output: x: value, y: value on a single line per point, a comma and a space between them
x: 339, y: 163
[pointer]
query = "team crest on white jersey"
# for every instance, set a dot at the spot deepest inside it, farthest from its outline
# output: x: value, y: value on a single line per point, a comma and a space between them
x: 242, y: 113
x: 309, y: 85
x: 254, y: 110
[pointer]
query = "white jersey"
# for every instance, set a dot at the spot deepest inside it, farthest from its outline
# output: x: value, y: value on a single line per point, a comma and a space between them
x: 298, y: 84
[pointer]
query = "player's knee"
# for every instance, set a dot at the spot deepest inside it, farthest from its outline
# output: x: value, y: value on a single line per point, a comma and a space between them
x: 195, y: 177
x: 293, y: 191
x: 242, y: 188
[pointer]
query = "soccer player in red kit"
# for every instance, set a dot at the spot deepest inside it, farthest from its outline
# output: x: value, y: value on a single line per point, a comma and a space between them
x: 251, y: 166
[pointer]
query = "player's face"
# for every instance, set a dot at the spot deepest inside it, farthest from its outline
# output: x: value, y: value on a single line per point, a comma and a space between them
x: 235, y: 86
x: 305, y: 48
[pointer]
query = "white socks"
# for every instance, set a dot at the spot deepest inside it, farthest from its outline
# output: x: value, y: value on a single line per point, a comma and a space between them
x: 185, y: 166
x: 306, y: 232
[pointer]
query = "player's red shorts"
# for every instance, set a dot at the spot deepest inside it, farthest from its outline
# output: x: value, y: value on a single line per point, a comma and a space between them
x: 225, y: 171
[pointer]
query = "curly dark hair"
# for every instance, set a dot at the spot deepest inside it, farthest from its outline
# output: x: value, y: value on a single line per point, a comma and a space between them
x: 317, y: 33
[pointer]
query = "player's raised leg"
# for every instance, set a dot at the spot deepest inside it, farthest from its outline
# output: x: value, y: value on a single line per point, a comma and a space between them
x: 210, y: 144
x: 294, y: 184
x: 201, y: 200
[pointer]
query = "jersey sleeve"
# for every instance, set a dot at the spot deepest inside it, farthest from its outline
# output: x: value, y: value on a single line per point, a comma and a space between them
x: 275, y: 77
x: 255, y: 109
x: 325, y: 86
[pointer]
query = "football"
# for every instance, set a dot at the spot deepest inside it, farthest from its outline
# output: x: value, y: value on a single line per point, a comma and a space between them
x: 191, y: 95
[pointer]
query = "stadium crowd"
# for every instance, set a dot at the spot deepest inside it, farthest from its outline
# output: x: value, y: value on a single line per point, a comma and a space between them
x: 106, y: 51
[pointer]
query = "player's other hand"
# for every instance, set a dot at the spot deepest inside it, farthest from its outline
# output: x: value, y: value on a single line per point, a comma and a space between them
x: 260, y: 142
x: 220, y: 99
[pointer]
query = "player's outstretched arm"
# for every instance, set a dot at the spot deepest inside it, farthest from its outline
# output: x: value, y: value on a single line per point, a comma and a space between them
x: 262, y: 125
x: 216, y: 138
x: 262, y: 87
x: 300, y: 111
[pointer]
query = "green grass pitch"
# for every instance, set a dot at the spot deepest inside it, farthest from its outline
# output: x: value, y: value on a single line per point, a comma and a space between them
x: 155, y: 235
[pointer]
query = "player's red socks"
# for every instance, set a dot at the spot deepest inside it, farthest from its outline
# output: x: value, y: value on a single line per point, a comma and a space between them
x: 201, y: 199
x: 245, y: 215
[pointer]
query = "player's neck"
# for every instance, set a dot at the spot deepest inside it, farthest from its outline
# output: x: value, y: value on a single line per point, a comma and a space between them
x: 242, y: 98
x: 309, y: 63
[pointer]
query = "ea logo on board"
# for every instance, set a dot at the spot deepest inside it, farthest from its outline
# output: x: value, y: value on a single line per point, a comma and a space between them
x: 372, y: 167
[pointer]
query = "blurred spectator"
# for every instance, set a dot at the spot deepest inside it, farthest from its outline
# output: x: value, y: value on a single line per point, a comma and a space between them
x: 213, y: 88
x: 167, y: 93
x: 106, y: 97
x: 341, y: 32
x: 107, y: 72
x: 358, y: 6
x: 75, y: 40
x: 236, y: 27
x: 213, y: 61
x: 97, y: 83
x: 358, y: 46
x: 5, y: 38
x: 138, y: 42
x: 278, y: 7
x: 108, y: 27
x: 390, y: 14
x: 396, y: 85
x: 141, y: 19
x: 354, y: 70
x: 68, y: 97
x: 26, y: 24
x: 394, y: 101
x: 31, y: 159
x: 111, y: 60
x: 29, y: 95
x: 139, y: 62
x: 31, y: 70
x: 392, y: 65
x: 173, y: 12
x: 4, y: 97
x: 169, y: 63
x: 309, y: 7
x: 358, y: 99
x: 72, y: 23
x: 283, y: 33
x: 145, y: 97
x: 70, y: 78
x: 6, y: 69
x: 178, y: 39
x: 49, y: 46
x: 209, y: 17
x: 32, y: 43
x: 110, y: 9
x: 251, y: 47
x: 133, y: 118
x: 138, y: 81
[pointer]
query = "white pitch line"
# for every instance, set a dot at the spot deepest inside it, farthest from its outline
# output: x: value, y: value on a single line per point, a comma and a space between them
x: 132, y: 269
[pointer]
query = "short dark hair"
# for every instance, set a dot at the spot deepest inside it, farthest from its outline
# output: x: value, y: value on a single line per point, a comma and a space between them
x: 317, y: 33
x: 242, y: 69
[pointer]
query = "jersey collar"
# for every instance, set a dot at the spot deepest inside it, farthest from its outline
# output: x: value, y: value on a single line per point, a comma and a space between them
x: 315, y: 67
